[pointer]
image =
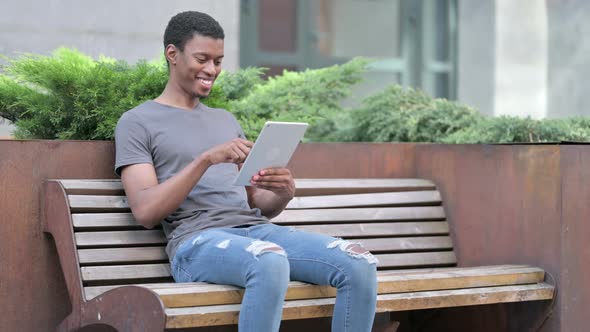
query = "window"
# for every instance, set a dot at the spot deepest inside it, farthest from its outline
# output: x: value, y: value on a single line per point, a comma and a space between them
x: 412, y: 42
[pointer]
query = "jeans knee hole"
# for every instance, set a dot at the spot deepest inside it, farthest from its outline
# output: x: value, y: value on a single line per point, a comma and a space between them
x: 354, y: 250
x: 259, y: 247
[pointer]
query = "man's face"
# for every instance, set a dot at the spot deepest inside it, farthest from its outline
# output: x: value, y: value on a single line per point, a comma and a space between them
x: 198, y: 65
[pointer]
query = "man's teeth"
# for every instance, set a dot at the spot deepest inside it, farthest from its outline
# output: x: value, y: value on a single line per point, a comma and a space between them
x: 206, y: 82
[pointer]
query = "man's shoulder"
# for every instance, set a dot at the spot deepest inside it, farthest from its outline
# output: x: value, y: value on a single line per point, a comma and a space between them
x: 134, y: 118
x: 139, y: 109
x: 204, y: 107
x: 218, y: 111
x: 140, y: 113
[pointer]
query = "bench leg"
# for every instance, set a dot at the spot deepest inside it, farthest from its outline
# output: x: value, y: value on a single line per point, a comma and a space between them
x: 385, y: 323
x: 129, y: 309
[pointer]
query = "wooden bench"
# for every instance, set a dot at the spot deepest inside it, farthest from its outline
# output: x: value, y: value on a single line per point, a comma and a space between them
x: 117, y: 272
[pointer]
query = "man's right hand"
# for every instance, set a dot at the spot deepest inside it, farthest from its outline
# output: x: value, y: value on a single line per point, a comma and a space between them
x: 234, y: 151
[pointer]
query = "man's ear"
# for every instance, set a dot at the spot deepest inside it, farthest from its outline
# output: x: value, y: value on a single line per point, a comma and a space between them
x: 171, y: 52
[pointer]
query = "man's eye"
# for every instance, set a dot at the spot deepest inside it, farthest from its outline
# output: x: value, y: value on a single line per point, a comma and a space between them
x: 217, y: 63
x: 201, y: 60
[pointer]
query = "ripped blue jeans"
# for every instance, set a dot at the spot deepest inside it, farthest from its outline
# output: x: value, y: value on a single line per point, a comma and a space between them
x: 263, y: 258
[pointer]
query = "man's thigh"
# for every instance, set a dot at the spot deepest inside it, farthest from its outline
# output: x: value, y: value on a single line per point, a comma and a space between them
x: 314, y: 257
x: 221, y: 256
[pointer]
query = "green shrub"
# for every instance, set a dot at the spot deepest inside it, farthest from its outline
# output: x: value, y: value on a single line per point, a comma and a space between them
x: 404, y: 115
x: 71, y: 96
x: 509, y: 129
x: 308, y: 96
x: 407, y: 115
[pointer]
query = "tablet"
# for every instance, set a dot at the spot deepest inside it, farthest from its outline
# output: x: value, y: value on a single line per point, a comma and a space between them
x: 273, y: 148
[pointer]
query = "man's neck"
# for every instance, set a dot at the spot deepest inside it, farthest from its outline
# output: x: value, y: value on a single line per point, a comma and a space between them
x: 176, y: 97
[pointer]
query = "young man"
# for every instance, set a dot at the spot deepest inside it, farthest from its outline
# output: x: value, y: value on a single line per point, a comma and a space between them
x: 177, y: 159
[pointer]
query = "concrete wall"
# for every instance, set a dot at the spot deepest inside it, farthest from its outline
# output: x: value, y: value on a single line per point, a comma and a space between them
x: 502, y: 57
x: 521, y: 58
x: 128, y: 30
x: 569, y: 58
x: 5, y: 128
x: 476, y: 63
x: 525, y: 58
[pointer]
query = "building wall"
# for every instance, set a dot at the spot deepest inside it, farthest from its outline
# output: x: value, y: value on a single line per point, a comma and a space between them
x: 521, y: 58
x: 569, y: 58
x: 5, y: 129
x: 524, y: 58
x: 128, y: 30
x: 475, y: 54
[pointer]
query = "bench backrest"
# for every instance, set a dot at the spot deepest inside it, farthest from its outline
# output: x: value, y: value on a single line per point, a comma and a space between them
x: 401, y: 221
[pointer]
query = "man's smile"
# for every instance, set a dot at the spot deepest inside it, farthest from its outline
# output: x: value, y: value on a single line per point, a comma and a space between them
x: 206, y: 82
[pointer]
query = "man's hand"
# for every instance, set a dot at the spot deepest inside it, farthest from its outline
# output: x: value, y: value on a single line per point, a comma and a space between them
x: 234, y: 151
x: 278, y: 180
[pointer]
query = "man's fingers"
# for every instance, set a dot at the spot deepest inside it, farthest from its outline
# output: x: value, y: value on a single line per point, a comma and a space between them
x: 245, y: 142
x: 272, y: 178
x: 239, y: 154
x: 242, y: 145
x: 275, y: 171
x: 268, y: 185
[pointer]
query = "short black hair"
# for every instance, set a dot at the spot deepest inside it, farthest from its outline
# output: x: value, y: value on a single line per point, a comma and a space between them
x: 183, y: 26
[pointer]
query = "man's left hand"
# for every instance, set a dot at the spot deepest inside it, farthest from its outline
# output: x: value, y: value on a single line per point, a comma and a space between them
x: 278, y: 180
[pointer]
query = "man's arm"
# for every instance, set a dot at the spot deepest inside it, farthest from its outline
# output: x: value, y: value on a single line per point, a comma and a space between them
x: 151, y: 201
x: 272, y: 189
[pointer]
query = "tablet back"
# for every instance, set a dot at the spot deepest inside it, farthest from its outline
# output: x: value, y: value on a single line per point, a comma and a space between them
x: 273, y: 148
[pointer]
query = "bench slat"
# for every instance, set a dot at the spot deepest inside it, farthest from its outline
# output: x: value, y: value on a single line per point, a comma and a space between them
x: 106, y: 203
x: 406, y: 260
x: 125, y: 272
x: 310, y: 187
x: 151, y: 237
x: 122, y: 255
x: 361, y: 200
x: 147, y: 271
x: 380, y: 229
x: 151, y: 254
x: 84, y: 221
x: 120, y: 238
x: 407, y: 243
x: 360, y: 214
x: 397, y: 281
x: 91, y: 203
x: 464, y: 297
x: 305, y: 187
x: 298, y: 309
x: 92, y: 187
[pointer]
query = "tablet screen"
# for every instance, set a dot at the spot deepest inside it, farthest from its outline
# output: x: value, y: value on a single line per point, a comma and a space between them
x: 273, y: 148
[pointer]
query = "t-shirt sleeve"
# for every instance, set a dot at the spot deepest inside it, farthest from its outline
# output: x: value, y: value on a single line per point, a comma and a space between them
x: 132, y: 143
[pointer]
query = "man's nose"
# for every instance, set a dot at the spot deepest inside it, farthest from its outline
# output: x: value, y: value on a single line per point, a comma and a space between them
x: 209, y: 68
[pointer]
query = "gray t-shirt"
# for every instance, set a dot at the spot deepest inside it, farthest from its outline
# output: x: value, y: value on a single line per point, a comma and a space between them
x: 170, y: 138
